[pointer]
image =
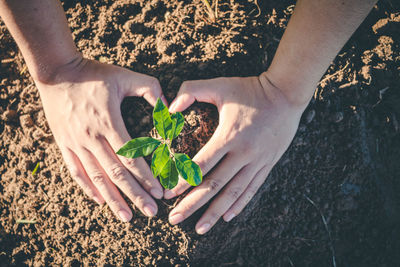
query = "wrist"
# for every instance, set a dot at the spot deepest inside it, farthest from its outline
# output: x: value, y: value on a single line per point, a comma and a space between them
x: 296, y: 97
x: 55, y: 73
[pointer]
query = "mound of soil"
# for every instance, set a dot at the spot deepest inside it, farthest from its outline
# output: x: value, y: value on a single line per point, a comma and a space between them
x: 334, y: 195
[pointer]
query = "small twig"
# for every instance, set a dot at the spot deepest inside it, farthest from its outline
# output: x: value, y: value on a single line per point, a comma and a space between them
x: 258, y: 7
x: 290, y: 261
x: 44, y: 193
x: 330, y: 76
x: 7, y: 60
x: 22, y: 221
x: 23, y: 70
x: 216, y: 9
x: 327, y: 229
x: 165, y: 203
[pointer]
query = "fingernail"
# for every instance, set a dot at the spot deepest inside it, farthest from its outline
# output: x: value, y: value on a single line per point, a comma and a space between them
x: 157, y: 193
x: 97, y: 200
x: 171, y: 108
x: 124, y: 215
x: 203, y: 228
x: 150, y: 210
x: 169, y: 194
x: 176, y: 218
x: 229, y: 216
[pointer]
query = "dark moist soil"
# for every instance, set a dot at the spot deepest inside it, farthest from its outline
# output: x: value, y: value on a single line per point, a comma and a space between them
x: 334, y: 195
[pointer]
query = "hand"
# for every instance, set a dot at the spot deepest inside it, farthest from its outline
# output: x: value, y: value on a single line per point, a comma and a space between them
x: 82, y: 106
x: 256, y: 125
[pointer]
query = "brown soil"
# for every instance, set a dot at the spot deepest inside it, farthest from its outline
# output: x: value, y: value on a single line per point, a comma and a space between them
x: 345, y: 157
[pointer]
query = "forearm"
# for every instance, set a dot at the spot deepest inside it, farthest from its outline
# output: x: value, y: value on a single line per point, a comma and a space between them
x: 315, y: 34
x: 41, y: 31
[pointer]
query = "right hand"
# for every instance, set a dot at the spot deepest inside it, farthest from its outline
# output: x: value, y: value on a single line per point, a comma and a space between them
x: 82, y: 106
x: 257, y: 122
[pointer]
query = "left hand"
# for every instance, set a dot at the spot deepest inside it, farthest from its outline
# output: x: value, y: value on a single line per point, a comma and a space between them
x: 257, y: 123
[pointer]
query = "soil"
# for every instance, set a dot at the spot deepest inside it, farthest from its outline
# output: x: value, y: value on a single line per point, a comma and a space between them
x: 334, y: 195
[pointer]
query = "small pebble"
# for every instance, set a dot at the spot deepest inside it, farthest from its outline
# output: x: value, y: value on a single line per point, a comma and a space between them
x: 38, y: 134
x: 202, y: 66
x: 10, y: 115
x: 174, y: 83
x: 310, y: 116
x: 145, y: 120
x: 338, y: 117
x: 26, y: 121
x: 302, y: 128
x: 131, y: 121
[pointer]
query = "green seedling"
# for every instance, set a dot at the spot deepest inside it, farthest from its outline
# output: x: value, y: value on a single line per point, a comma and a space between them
x: 36, y: 169
x: 164, y: 164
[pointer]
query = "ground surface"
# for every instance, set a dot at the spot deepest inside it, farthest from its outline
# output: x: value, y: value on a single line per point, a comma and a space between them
x: 345, y: 157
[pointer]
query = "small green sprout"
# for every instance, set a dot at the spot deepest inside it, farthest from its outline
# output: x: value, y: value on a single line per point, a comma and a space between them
x: 164, y: 164
x: 36, y: 169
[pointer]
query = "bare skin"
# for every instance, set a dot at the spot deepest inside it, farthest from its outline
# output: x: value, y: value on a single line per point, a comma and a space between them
x: 81, y: 100
x: 265, y: 110
x: 259, y: 116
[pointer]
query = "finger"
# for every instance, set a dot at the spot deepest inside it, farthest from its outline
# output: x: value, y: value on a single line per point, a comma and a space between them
x: 206, y: 190
x: 123, y: 179
x: 107, y: 189
x: 208, y: 156
x: 190, y: 91
x: 138, y: 167
x: 226, y: 198
x: 148, y: 87
x: 79, y: 175
x: 248, y: 194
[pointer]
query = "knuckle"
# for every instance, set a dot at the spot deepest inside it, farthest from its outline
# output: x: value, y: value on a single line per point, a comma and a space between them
x: 185, y: 87
x: 128, y: 161
x: 187, y: 209
x: 75, y: 173
x: 213, y: 215
x: 252, y: 191
x: 88, y: 190
x: 247, y: 147
x: 91, y: 133
x: 235, y: 192
x: 213, y: 186
x: 202, y: 164
x: 97, y: 177
x: 117, y: 173
x: 155, y: 86
x: 230, y: 135
x: 113, y: 202
x: 140, y: 200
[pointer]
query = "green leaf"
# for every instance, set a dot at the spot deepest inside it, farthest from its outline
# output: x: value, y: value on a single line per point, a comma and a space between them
x: 177, y: 124
x: 138, y: 147
x: 189, y: 170
x: 160, y: 158
x: 169, y: 175
x: 161, y: 119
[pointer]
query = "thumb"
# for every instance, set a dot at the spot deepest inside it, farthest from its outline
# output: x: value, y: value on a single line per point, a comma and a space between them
x: 190, y: 91
x: 148, y: 87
